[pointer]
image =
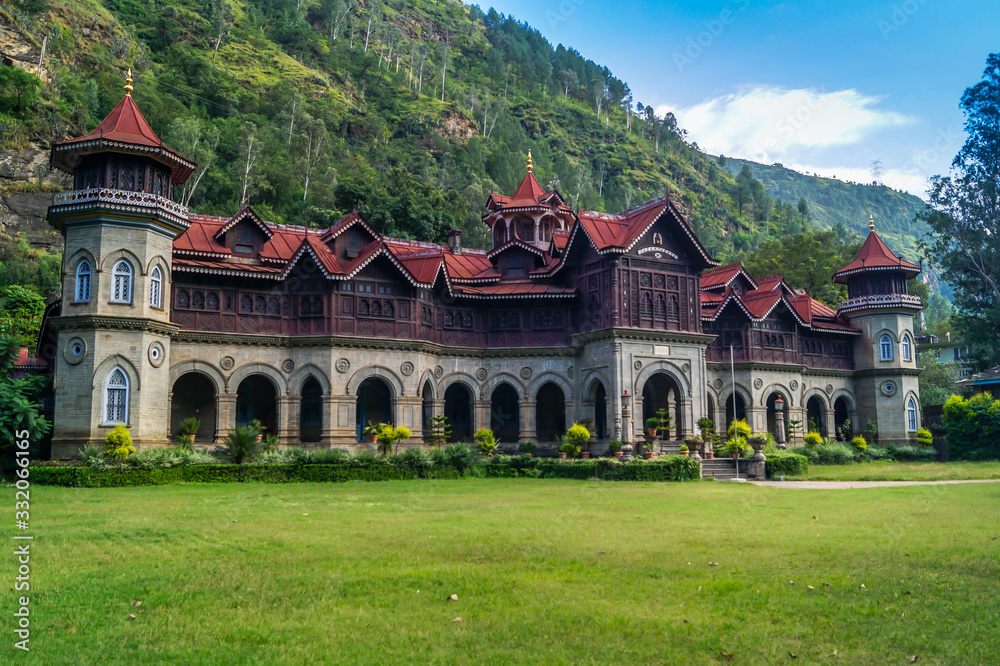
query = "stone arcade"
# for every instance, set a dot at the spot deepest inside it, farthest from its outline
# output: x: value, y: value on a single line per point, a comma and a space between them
x: 167, y: 314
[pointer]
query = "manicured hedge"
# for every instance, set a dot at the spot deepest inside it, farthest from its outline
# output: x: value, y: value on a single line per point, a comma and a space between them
x: 785, y: 464
x: 664, y: 468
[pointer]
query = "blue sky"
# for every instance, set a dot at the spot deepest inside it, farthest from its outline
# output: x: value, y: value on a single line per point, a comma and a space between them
x: 824, y: 87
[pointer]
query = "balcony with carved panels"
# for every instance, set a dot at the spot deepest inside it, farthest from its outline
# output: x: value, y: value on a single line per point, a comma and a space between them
x: 880, y: 302
x: 143, y: 203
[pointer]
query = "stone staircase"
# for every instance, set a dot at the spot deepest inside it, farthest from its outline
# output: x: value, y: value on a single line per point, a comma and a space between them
x: 720, y: 468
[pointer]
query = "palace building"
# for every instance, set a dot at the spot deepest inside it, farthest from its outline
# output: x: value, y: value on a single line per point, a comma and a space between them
x: 167, y: 314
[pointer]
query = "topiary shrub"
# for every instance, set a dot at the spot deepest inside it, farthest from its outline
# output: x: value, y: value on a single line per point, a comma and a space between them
x: 813, y: 438
x: 859, y: 443
x: 118, y: 444
x: 785, y: 464
x: 741, y: 428
x: 527, y: 448
x: 487, y: 442
x: 578, y: 434
x: 924, y: 437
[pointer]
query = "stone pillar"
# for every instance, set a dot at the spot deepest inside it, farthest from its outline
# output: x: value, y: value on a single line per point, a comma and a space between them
x: 329, y: 430
x: 408, y: 413
x: 226, y: 415
x: 481, y: 414
x: 342, y: 416
x: 288, y: 421
x: 570, y: 412
x: 687, y: 425
x: 830, y: 423
x: 527, y: 421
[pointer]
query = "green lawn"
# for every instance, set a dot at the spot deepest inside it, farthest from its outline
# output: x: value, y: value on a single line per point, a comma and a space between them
x: 884, y: 470
x: 546, y: 571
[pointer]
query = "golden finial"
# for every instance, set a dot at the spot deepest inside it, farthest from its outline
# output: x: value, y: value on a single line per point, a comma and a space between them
x: 529, y: 160
x: 128, y: 83
x: 871, y: 221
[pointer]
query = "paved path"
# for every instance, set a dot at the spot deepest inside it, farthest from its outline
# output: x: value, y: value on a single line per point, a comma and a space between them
x: 834, y: 485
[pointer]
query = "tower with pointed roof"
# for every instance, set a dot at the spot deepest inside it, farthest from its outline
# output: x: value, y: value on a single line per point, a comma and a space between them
x: 885, y: 354
x: 119, y: 224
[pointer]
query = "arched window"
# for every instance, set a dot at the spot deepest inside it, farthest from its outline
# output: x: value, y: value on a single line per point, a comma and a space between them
x: 82, y: 292
x: 911, y: 415
x: 906, y: 347
x: 885, y: 347
x: 116, y: 397
x: 121, y: 282
x: 156, y: 288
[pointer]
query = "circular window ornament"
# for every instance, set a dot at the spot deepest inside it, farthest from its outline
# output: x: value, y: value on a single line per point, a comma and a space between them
x: 888, y: 389
x: 76, y: 351
x: 156, y: 354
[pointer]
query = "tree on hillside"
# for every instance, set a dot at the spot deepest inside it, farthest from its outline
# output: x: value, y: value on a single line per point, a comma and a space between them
x: 964, y: 217
x: 197, y: 140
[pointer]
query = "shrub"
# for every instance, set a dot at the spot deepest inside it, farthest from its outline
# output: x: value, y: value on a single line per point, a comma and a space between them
x: 834, y: 454
x: 572, y: 450
x: 578, y: 434
x: 461, y: 457
x: 189, y: 426
x: 906, y: 453
x: 813, y: 438
x: 486, y: 440
x: 741, y: 428
x: 183, y: 443
x: 924, y: 437
x: 415, y: 458
x: 652, y: 423
x: 241, y: 443
x: 614, y: 446
x: 118, y: 444
x: 389, y: 437
x: 526, y: 447
x: 706, y: 425
x: 728, y: 447
x: 785, y: 464
x: 269, y: 443
x: 859, y: 443
x: 328, y: 457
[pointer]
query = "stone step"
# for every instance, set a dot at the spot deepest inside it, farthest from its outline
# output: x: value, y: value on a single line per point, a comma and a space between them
x: 719, y: 468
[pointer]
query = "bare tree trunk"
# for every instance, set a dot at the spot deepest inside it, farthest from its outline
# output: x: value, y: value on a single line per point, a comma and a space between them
x: 45, y: 42
x: 369, y: 33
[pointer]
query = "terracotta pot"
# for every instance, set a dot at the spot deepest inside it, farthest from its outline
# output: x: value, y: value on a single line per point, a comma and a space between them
x: 648, y: 455
x: 190, y: 439
x: 585, y: 454
x: 684, y: 453
x: 618, y: 454
x: 709, y: 455
x: 528, y: 454
x: 562, y: 455
x: 651, y: 432
x: 372, y: 439
x: 258, y: 438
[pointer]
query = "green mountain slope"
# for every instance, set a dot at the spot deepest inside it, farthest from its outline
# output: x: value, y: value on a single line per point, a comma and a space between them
x: 833, y: 202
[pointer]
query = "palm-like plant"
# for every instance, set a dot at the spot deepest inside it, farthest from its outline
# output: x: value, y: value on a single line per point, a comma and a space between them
x: 242, y: 444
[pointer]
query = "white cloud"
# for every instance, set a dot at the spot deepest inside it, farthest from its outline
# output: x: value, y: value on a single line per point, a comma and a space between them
x: 900, y: 180
x: 773, y: 124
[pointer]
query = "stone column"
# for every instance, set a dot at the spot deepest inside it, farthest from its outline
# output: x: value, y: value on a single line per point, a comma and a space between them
x: 226, y: 415
x: 408, y: 411
x: 481, y: 414
x: 830, y: 423
x: 527, y: 421
x: 687, y: 424
x: 342, y: 415
x: 329, y: 430
x: 570, y: 412
x: 288, y: 413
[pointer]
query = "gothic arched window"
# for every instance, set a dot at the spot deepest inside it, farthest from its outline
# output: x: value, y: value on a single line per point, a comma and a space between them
x: 885, y: 347
x: 116, y: 397
x: 156, y: 288
x: 911, y: 415
x: 121, y: 282
x: 906, y: 347
x: 81, y: 294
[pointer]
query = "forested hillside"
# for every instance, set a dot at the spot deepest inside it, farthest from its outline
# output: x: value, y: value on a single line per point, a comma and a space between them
x: 413, y: 111
x: 833, y: 202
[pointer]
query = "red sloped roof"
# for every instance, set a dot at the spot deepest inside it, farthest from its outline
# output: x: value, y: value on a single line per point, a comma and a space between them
x: 225, y: 267
x: 507, y: 289
x: 126, y: 124
x: 560, y: 238
x: 424, y: 268
x: 467, y: 266
x: 529, y: 189
x: 875, y: 255
x: 200, y: 236
x: 721, y: 276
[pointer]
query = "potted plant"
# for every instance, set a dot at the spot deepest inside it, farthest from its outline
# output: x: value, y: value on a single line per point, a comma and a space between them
x: 270, y: 443
x: 652, y: 425
x: 189, y: 428
x: 648, y: 453
x: 243, y: 443
x: 526, y: 448
x: 706, y: 425
x: 389, y: 437
x: 683, y: 450
x: 567, y: 448
x: 615, y: 448
x: 711, y: 440
x: 579, y: 436
x: 258, y: 428
x: 371, y: 431
x: 664, y: 423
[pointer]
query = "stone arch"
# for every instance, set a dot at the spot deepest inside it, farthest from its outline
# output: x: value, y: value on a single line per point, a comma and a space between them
x: 598, y: 404
x: 70, y: 262
x: 269, y: 371
x: 461, y: 378
x: 891, y: 333
x: 299, y: 377
x: 816, y: 399
x: 164, y: 265
x: 502, y: 378
x: 204, y: 368
x: 558, y: 380
x: 379, y: 371
x: 725, y: 405
x: 111, y: 259
x: 427, y: 379
x: 816, y: 392
x: 777, y: 387
x: 195, y: 393
x: 110, y: 362
x: 848, y: 411
x: 671, y: 369
x: 590, y: 379
x: 911, y: 395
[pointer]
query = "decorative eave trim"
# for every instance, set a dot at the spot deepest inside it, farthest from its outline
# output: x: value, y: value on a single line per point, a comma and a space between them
x: 912, y: 268
x: 227, y: 271
x: 487, y: 297
x: 241, y: 215
x: 515, y: 242
x: 335, y: 231
x: 879, y: 372
x: 382, y: 250
x: 100, y: 143
x: 644, y: 335
x: 104, y: 322
x: 389, y: 344
x: 198, y: 253
x: 303, y: 248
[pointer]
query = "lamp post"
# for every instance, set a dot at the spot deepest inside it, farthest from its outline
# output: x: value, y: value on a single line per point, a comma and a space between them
x: 626, y: 426
x: 779, y: 422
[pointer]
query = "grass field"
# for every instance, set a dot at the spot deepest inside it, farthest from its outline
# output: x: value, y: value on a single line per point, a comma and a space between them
x: 546, y: 571
x: 887, y: 470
